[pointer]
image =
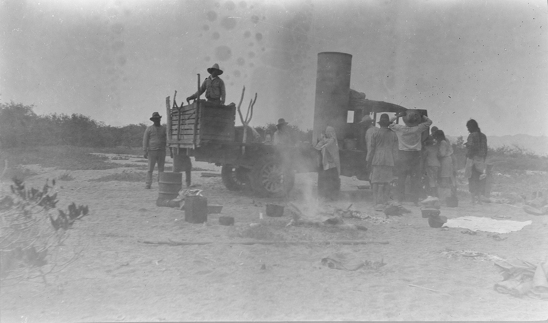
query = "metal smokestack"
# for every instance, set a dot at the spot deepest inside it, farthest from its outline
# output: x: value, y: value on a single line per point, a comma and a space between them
x: 332, y: 93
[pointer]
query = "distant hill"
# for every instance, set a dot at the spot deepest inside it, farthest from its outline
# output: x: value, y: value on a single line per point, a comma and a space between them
x: 535, y: 144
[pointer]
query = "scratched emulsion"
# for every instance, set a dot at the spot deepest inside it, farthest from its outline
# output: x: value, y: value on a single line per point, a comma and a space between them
x: 112, y: 60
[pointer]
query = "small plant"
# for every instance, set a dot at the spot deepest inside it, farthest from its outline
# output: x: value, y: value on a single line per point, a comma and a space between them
x: 120, y: 158
x: 124, y: 176
x: 66, y: 176
x: 31, y: 230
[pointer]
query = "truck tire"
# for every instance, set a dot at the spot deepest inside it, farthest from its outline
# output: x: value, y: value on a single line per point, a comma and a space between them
x: 235, y: 178
x: 270, y: 178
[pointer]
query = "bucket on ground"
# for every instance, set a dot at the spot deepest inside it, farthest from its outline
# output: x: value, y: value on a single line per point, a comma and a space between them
x: 195, y: 209
x: 170, y: 184
x: 274, y: 210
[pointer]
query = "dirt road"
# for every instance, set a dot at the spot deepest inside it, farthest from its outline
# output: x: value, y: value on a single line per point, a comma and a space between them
x: 119, y: 278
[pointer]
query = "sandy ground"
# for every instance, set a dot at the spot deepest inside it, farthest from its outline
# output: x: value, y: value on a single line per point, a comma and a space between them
x: 119, y: 278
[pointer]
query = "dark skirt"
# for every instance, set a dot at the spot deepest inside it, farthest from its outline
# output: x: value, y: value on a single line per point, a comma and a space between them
x: 475, y: 185
x: 329, y: 183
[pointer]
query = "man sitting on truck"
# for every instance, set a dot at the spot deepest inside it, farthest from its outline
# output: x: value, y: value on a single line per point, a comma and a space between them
x: 213, y: 87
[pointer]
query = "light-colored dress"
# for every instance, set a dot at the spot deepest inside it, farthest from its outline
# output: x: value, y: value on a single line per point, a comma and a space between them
x: 382, y: 152
x: 330, y: 150
x: 445, y: 153
x: 432, y: 164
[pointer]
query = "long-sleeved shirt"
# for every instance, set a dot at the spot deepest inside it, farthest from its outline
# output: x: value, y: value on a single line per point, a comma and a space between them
x: 330, y: 150
x: 214, y: 89
x: 155, y: 138
x: 382, y: 148
x: 477, y: 145
x: 409, y: 138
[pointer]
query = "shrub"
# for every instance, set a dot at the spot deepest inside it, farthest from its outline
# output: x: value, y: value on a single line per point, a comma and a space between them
x: 31, y: 230
x: 66, y: 176
x: 124, y: 176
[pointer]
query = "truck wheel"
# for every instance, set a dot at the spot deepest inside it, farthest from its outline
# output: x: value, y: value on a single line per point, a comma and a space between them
x: 270, y: 178
x: 235, y: 178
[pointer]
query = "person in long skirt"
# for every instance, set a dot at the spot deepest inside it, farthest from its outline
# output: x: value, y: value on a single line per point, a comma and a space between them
x: 382, y: 152
x: 432, y: 166
x: 329, y: 183
x: 447, y: 173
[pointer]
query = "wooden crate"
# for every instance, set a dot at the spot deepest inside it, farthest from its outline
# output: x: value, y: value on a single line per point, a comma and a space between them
x: 191, y: 126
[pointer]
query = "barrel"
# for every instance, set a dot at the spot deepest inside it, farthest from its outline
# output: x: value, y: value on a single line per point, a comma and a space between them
x: 170, y: 185
x: 274, y: 210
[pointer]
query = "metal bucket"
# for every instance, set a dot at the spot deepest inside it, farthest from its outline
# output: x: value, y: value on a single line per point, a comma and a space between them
x: 170, y: 185
x: 274, y: 210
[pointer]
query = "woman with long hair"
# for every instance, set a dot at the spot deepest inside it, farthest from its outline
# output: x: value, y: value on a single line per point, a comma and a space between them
x: 476, y: 145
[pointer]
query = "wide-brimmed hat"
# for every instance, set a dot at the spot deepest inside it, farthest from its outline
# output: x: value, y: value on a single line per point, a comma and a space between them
x: 412, y: 118
x: 281, y: 121
x: 384, y: 120
x: 366, y: 118
x: 155, y: 116
x: 215, y: 67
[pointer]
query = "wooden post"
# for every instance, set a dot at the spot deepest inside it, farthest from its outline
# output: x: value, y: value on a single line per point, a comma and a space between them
x: 197, y: 114
x: 248, y: 117
x: 168, y: 115
x: 178, y: 116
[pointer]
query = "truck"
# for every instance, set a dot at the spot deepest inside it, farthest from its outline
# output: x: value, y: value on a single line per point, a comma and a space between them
x: 207, y: 131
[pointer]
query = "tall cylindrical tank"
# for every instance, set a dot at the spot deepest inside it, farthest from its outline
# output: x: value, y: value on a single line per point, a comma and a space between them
x: 332, y: 93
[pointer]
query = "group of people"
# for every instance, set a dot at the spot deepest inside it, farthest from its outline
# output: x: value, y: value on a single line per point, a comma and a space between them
x: 155, y: 136
x: 399, y: 150
x: 393, y: 150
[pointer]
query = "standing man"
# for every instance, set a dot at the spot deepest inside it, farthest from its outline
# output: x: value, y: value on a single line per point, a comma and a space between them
x: 213, y: 87
x: 154, y: 145
x: 282, y: 136
x: 382, y: 154
x: 410, y: 147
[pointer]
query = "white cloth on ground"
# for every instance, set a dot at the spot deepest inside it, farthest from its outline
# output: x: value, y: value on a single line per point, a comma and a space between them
x: 475, y: 223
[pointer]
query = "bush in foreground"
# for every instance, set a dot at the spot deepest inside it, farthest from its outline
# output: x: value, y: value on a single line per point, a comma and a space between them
x: 31, y: 230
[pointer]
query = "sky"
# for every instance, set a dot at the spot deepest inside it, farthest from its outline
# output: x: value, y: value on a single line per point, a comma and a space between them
x: 117, y: 60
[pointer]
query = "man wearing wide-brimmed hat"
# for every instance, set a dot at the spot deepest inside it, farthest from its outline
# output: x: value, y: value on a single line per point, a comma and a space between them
x: 154, y: 145
x: 282, y: 136
x: 410, y: 150
x: 213, y: 87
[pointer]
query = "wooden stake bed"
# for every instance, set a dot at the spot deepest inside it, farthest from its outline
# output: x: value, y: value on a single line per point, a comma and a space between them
x: 196, y: 124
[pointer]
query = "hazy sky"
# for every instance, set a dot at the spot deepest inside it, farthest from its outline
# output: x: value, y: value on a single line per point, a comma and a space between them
x: 116, y: 61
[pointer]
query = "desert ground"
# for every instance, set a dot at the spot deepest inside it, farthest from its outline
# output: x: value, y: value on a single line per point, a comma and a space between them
x: 429, y: 274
